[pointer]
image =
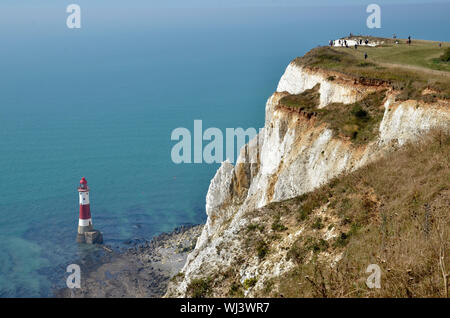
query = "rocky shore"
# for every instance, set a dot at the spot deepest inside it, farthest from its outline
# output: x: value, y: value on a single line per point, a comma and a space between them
x: 143, y: 270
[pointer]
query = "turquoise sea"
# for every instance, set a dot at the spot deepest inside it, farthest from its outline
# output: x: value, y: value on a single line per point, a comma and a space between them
x: 102, y: 101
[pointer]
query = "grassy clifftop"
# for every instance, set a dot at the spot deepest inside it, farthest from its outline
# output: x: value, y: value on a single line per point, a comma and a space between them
x: 419, y: 71
x: 408, y: 68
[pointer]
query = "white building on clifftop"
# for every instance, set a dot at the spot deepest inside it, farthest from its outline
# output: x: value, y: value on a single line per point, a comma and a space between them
x: 351, y: 42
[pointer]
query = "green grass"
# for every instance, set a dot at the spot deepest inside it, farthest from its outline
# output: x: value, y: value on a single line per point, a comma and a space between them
x: 400, y: 65
x: 254, y: 227
x: 277, y: 226
x: 419, y: 53
x: 177, y: 277
x: 445, y: 57
x: 317, y: 225
x: 199, y: 288
x: 358, y: 121
x: 236, y: 290
x: 250, y: 282
x: 262, y: 249
x: 308, y: 100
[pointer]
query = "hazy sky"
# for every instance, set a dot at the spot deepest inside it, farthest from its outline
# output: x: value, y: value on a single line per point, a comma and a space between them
x: 32, y: 16
x: 205, y: 3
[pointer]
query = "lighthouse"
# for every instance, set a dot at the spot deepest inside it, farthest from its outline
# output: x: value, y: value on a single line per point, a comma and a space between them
x: 86, y: 232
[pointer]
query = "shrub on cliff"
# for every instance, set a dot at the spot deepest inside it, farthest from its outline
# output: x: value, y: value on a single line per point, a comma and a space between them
x: 199, y: 288
x: 445, y: 57
x: 249, y: 282
x: 262, y: 249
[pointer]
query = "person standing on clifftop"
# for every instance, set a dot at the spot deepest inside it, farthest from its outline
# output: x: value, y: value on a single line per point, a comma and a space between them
x: 365, y: 55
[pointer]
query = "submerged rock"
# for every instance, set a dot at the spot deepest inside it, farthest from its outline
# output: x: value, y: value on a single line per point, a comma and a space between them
x: 143, y: 270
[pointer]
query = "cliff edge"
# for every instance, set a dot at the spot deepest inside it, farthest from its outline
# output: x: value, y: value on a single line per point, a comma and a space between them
x: 335, y: 123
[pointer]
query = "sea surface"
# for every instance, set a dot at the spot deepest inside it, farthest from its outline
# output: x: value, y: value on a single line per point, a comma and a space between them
x: 102, y: 101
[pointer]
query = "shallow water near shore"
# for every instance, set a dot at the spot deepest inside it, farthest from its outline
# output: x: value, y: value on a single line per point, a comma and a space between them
x: 101, y: 102
x: 143, y: 269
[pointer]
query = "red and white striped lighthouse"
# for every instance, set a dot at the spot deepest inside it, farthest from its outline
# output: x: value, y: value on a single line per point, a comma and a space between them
x: 86, y: 232
x: 85, y: 221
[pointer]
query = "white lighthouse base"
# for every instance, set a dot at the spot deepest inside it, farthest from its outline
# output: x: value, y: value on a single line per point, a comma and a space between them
x: 90, y: 237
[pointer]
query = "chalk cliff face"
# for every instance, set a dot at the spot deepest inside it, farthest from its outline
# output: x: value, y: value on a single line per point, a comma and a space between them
x: 291, y: 156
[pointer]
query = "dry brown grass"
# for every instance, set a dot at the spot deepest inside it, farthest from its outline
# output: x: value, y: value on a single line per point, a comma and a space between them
x: 397, y: 210
x: 393, y: 212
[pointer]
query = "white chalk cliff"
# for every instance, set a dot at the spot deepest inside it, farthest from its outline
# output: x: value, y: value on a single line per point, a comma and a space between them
x: 292, y: 156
